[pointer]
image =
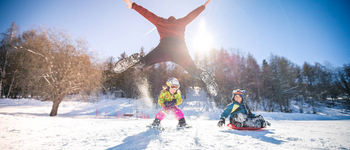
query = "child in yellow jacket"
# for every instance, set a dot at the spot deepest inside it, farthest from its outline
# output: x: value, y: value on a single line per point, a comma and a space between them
x: 169, y: 98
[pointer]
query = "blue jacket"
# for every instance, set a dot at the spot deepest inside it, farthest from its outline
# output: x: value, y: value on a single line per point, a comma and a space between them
x: 234, y: 108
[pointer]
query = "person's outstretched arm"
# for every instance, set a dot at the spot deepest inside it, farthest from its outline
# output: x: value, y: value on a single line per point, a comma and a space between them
x: 129, y: 3
x: 193, y: 14
x: 206, y: 3
x: 143, y: 11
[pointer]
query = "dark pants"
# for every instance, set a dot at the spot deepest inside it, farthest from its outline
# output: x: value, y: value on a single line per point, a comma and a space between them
x: 174, y: 50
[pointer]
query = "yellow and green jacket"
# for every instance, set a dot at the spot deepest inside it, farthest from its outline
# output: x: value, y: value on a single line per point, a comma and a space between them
x: 166, y: 96
x: 234, y: 108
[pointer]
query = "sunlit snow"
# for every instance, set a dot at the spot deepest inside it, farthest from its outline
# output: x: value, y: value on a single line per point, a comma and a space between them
x: 26, y: 124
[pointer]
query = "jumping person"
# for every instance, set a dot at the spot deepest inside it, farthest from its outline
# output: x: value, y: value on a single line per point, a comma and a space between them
x: 172, y: 46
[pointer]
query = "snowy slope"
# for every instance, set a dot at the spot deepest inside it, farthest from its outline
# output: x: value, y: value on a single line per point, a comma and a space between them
x: 25, y: 124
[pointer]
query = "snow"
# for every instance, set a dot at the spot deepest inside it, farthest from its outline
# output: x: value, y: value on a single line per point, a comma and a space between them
x: 26, y: 124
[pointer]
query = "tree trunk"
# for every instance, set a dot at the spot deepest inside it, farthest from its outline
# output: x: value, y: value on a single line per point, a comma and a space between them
x: 0, y: 86
x: 8, y: 93
x: 2, y: 76
x: 54, y: 109
x: 313, y: 106
x: 185, y: 92
x: 301, y: 105
x: 281, y: 106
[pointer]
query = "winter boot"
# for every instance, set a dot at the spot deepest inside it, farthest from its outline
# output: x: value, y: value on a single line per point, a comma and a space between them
x: 268, y: 123
x: 212, y: 87
x: 238, y: 124
x: 182, y: 122
x: 156, y: 122
x: 265, y: 123
x: 124, y: 64
x: 140, y: 64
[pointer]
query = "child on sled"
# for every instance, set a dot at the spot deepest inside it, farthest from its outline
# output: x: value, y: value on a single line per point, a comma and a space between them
x: 169, y: 98
x: 240, y: 115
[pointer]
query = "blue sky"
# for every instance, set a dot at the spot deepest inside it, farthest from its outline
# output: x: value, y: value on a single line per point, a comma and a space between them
x: 300, y: 30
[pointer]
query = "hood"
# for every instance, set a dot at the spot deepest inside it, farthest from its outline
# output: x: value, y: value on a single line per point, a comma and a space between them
x: 241, y: 95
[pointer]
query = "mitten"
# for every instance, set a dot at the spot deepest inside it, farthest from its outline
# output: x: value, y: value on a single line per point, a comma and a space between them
x: 170, y: 103
x: 221, y: 122
x: 167, y: 103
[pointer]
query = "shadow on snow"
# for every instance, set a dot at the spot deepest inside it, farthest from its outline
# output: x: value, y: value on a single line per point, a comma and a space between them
x: 260, y: 135
x: 139, y: 141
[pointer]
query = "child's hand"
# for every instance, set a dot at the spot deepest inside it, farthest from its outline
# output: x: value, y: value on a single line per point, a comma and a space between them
x: 166, y: 103
x: 221, y: 122
x: 170, y: 103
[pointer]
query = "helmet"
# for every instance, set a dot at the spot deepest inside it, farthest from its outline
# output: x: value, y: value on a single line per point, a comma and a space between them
x: 173, y: 82
x: 239, y: 92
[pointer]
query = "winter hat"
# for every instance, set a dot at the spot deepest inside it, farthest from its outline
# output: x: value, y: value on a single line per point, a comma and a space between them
x: 237, y: 92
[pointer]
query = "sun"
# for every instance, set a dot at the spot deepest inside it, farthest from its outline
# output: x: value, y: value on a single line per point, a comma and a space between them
x: 203, y: 40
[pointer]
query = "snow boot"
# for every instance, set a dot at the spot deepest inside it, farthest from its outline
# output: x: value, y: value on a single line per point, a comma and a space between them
x: 156, y: 123
x: 182, y: 122
x: 239, y: 124
x: 265, y: 123
x: 140, y: 64
x: 212, y: 87
x: 124, y: 64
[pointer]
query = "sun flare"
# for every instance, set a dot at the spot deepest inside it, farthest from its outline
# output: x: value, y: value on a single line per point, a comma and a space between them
x: 203, y: 40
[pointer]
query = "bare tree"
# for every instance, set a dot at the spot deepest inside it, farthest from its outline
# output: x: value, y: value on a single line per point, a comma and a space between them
x: 310, y: 75
x: 343, y: 81
x: 58, y: 66
x: 253, y: 82
x: 109, y: 76
x: 7, y: 43
x: 282, y: 77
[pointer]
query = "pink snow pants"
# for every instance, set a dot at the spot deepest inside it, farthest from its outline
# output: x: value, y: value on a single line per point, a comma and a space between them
x: 165, y: 111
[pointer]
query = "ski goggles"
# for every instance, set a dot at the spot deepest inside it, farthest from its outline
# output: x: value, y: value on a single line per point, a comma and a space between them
x: 174, y: 87
x: 240, y: 93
